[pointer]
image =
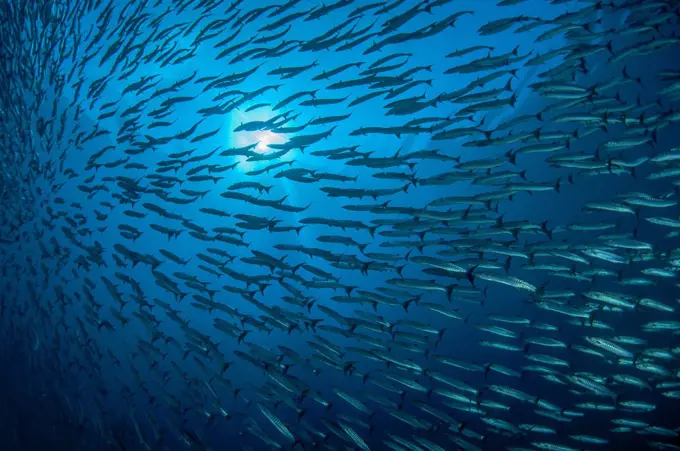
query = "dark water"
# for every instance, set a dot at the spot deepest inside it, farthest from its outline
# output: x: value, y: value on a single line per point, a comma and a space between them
x: 74, y: 376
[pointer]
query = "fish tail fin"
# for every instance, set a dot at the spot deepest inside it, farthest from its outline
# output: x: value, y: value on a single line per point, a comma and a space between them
x: 469, y: 274
x: 449, y: 291
x: 609, y: 46
x: 428, y: 394
x: 296, y: 267
x: 440, y: 335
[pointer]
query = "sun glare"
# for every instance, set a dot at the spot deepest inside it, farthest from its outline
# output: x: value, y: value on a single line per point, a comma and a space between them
x: 263, y: 138
x: 266, y: 137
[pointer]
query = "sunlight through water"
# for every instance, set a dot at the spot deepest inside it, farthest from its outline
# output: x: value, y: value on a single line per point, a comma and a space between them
x: 263, y: 138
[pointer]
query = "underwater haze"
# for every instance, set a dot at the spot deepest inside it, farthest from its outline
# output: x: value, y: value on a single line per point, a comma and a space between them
x: 410, y: 225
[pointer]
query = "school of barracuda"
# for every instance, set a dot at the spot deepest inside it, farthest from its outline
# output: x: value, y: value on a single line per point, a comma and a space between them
x: 168, y: 291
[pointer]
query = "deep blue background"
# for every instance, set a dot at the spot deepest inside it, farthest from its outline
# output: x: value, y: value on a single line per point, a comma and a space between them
x: 50, y: 403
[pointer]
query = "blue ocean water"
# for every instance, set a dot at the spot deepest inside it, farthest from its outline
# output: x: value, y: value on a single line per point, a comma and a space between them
x: 77, y: 377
